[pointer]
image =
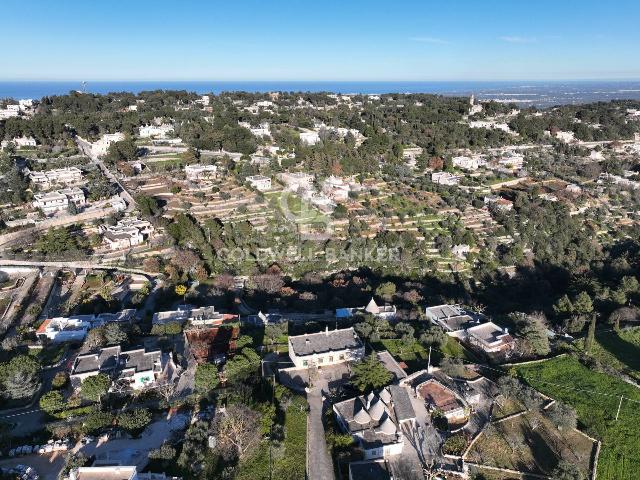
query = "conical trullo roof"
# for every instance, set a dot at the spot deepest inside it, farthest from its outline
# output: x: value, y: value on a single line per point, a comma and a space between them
x: 361, y: 416
x: 376, y: 411
x: 387, y: 427
x: 372, y: 307
x: 385, y: 395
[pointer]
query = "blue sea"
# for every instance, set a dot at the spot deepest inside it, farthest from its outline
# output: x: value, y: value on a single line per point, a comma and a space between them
x: 540, y: 94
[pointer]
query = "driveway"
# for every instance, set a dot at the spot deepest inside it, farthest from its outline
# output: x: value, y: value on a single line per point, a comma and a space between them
x: 47, y: 466
x: 134, y: 451
x: 319, y: 463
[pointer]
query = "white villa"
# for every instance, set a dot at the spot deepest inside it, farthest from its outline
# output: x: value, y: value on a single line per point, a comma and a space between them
x: 58, y: 200
x: 60, y: 329
x: 134, y: 369
x: 259, y: 182
x: 309, y: 137
x: 336, y: 189
x: 377, y: 421
x: 296, y: 181
x: 155, y: 131
x: 468, y: 163
x: 325, y: 348
x: 445, y: 178
x: 200, y: 172
x: 101, y: 147
x: 64, y: 176
x: 127, y: 233
x: 24, y: 141
x: 387, y: 312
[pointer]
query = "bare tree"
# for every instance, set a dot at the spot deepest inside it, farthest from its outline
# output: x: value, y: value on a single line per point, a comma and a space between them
x: 237, y: 431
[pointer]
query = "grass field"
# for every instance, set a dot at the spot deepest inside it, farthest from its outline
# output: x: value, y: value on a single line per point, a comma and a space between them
x: 531, y: 443
x: 596, y: 397
x: 620, y: 351
x: 416, y: 356
x: 288, y: 459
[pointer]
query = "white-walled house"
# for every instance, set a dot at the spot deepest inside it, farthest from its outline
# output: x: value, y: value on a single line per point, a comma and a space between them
x: 296, y: 181
x: 127, y: 233
x: 61, y: 329
x: 198, y: 171
x: 24, y: 141
x: 445, y: 178
x: 155, y: 131
x: 377, y: 421
x: 58, y: 176
x: 336, y: 189
x: 101, y: 147
x: 135, y: 369
x: 58, y: 200
x: 309, y: 137
x: 325, y: 348
x: 259, y: 182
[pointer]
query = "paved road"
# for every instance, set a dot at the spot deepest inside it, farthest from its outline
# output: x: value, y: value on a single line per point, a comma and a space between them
x: 86, y: 265
x: 319, y: 463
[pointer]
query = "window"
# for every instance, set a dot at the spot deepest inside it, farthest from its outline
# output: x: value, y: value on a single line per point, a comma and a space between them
x: 331, y: 358
x: 341, y: 357
x: 320, y: 360
x: 305, y: 363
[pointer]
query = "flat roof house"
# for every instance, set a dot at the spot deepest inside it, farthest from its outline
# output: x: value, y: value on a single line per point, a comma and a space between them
x: 58, y: 200
x: 451, y: 318
x: 387, y: 312
x: 490, y: 338
x: 59, y: 176
x: 259, y: 182
x: 438, y: 397
x: 60, y: 329
x: 325, y: 348
x: 376, y: 421
x: 200, y: 172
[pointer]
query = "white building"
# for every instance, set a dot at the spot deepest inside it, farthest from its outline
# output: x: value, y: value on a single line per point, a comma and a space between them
x: 296, y: 181
x: 490, y: 338
x: 468, y: 163
x: 325, y: 348
x: 387, y: 312
x: 309, y: 137
x: 491, y: 125
x: 58, y: 200
x: 114, y: 472
x: 127, y: 233
x: 498, y: 202
x: 60, y: 329
x: 513, y: 161
x: 155, y: 131
x: 101, y: 147
x: 21, y: 142
x: 618, y: 180
x: 135, y: 369
x: 59, y: 176
x: 197, y: 172
x: 262, y: 130
x: 259, y: 182
x: 336, y: 189
x: 445, y: 178
x: 377, y: 421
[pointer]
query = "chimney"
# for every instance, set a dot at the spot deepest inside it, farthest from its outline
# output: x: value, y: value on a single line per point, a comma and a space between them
x: 326, y: 330
x: 306, y: 341
x: 506, y: 330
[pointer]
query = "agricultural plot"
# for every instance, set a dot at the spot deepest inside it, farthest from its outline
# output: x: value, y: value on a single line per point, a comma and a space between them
x: 596, y: 398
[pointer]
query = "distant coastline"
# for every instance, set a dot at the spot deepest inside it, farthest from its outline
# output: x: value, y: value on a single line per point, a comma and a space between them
x: 535, y: 93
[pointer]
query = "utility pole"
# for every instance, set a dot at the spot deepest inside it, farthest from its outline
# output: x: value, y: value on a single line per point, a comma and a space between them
x: 619, y: 407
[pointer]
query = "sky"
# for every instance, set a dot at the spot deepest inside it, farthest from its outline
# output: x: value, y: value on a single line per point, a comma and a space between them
x: 252, y: 40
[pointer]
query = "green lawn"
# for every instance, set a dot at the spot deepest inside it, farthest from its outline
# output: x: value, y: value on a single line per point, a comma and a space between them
x: 416, y: 356
x: 620, y: 351
x: 289, y: 459
x: 595, y: 396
